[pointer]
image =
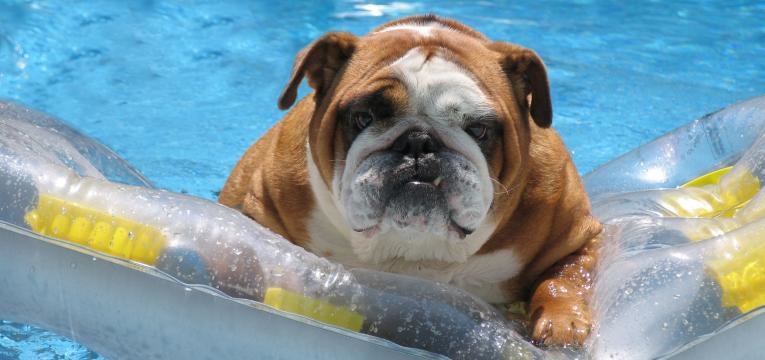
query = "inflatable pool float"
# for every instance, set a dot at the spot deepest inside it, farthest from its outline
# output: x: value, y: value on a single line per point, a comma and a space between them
x: 91, y: 250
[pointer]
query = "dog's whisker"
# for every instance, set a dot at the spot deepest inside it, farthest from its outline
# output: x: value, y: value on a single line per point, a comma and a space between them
x: 506, y: 191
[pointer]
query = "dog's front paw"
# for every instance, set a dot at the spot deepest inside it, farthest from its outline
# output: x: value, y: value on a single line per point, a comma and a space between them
x: 558, y: 319
x: 559, y: 328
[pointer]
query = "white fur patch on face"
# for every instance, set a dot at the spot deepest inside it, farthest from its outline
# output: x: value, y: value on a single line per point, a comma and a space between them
x: 438, y: 88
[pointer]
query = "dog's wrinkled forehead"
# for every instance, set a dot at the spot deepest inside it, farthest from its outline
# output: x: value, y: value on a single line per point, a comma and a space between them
x: 439, y: 88
x: 422, y: 60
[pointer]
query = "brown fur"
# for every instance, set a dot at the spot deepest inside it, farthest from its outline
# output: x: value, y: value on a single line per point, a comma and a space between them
x: 271, y: 185
x: 541, y: 207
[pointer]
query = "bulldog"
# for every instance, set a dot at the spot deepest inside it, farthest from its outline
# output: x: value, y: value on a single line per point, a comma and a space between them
x: 426, y: 149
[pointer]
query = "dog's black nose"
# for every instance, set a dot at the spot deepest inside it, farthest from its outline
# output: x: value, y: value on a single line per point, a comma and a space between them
x: 416, y: 142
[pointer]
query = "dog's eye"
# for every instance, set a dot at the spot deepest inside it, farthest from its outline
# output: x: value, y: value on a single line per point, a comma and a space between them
x: 477, y: 131
x: 362, y: 119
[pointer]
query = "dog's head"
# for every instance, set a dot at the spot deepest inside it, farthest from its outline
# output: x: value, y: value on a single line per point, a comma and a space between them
x: 420, y: 134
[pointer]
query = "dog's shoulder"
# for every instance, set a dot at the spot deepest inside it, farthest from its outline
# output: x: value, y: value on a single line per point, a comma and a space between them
x: 260, y: 192
x: 556, y: 190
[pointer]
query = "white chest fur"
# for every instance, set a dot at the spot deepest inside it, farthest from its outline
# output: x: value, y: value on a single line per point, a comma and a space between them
x: 481, y: 275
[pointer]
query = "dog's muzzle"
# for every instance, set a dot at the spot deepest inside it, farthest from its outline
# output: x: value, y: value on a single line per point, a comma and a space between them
x: 416, y: 185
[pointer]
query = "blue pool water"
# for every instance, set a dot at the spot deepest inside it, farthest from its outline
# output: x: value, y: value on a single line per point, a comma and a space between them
x: 181, y: 89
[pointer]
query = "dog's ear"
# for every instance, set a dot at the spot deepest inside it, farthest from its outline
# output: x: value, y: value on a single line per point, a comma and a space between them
x: 527, y: 75
x: 320, y: 62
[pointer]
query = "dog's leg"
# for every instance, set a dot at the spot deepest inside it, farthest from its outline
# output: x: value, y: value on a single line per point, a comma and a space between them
x: 559, y: 307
